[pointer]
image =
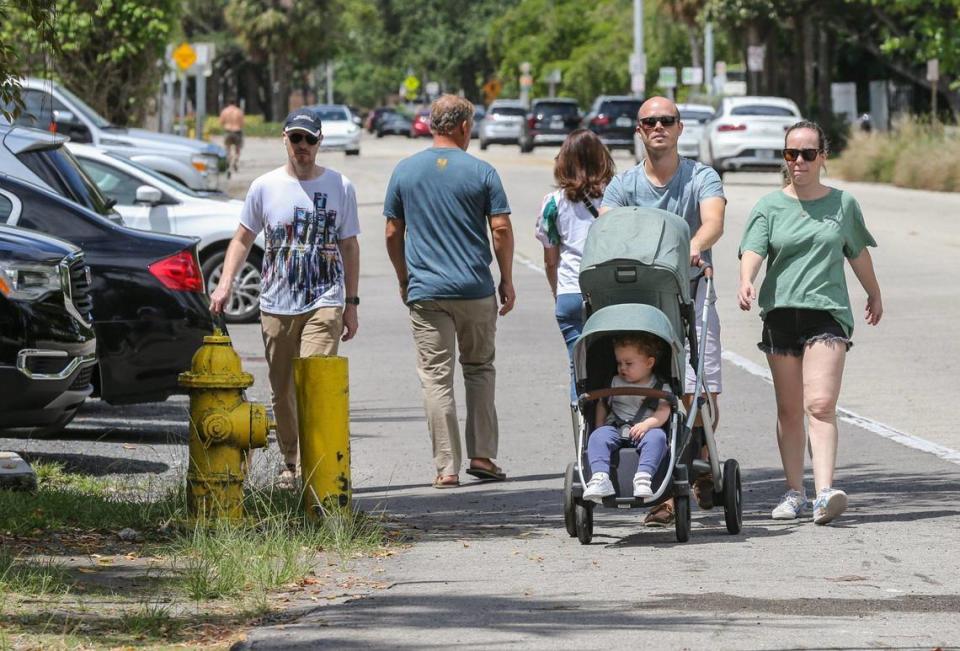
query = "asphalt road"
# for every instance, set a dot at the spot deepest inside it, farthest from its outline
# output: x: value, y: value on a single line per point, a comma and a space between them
x: 492, y: 564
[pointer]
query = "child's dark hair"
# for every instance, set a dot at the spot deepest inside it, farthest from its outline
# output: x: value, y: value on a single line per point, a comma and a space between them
x: 646, y: 343
x: 584, y: 166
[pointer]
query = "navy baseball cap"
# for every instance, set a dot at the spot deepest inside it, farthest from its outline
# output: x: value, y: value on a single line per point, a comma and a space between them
x: 303, y: 119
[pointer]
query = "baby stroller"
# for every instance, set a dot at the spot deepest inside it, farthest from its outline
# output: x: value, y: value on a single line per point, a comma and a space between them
x: 635, y: 277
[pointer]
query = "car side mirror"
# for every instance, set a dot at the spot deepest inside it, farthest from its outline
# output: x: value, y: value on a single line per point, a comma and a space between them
x: 149, y: 195
x: 357, y: 120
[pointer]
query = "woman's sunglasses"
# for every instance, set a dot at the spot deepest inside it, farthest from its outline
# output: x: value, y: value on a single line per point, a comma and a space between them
x: 809, y: 155
x: 651, y: 122
x: 295, y: 138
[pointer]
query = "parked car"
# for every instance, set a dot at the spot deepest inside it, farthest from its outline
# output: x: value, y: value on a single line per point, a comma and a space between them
x: 340, y: 132
x: 746, y: 133
x: 478, y: 114
x: 548, y: 122
x: 502, y: 123
x: 147, y: 200
x: 197, y: 164
x: 150, y: 308
x: 614, y: 119
x: 47, y: 342
x: 376, y: 115
x: 420, y: 126
x: 694, y: 118
x: 393, y: 124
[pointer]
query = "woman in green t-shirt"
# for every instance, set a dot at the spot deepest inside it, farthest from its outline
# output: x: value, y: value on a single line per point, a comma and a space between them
x: 805, y: 231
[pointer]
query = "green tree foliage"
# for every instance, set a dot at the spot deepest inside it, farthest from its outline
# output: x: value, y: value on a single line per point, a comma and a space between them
x: 590, y: 43
x: 37, y: 14
x: 108, y: 49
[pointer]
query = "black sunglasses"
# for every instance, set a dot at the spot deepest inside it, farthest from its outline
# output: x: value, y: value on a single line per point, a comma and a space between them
x: 296, y: 137
x: 665, y: 120
x: 790, y: 155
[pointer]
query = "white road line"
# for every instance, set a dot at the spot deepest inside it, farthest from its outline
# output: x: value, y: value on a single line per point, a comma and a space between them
x: 847, y: 416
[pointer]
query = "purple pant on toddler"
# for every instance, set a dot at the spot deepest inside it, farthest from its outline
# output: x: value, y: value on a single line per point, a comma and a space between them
x: 606, y: 439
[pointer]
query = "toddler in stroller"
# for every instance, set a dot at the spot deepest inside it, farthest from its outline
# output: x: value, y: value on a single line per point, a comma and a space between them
x: 635, y: 280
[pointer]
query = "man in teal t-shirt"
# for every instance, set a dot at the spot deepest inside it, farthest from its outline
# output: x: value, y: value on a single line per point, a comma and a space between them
x: 439, y: 205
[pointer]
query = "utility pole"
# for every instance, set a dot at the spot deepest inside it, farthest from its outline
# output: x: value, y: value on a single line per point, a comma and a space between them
x: 708, y: 58
x: 638, y: 62
x: 329, y: 83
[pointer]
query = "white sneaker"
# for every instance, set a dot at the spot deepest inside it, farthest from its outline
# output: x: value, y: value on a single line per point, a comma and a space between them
x: 641, y: 485
x: 598, y: 487
x: 791, y: 506
x: 830, y: 503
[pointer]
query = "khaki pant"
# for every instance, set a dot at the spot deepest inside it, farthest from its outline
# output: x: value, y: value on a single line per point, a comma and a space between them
x: 438, y: 328
x: 285, y: 338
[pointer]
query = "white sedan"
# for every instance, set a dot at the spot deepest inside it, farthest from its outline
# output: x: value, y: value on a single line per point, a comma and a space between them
x: 746, y: 133
x: 148, y: 200
x: 694, y: 117
x: 340, y: 132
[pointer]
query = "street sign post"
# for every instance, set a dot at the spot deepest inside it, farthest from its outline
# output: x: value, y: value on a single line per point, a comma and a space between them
x: 553, y: 79
x: 410, y: 86
x: 691, y: 76
x: 184, y: 56
x: 668, y: 77
x: 933, y: 76
x: 526, y: 83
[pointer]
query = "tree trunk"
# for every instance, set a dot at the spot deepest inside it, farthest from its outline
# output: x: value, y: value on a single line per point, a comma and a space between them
x: 694, y: 40
x: 808, y: 34
x: 824, y: 78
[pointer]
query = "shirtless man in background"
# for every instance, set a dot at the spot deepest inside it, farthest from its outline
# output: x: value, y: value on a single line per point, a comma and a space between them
x: 231, y: 121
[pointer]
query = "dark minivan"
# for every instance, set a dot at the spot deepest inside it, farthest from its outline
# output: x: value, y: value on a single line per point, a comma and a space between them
x: 549, y: 122
x: 614, y: 119
x: 47, y: 341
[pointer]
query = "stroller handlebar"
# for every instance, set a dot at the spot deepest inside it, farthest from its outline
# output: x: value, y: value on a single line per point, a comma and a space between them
x: 598, y: 394
x: 702, y: 270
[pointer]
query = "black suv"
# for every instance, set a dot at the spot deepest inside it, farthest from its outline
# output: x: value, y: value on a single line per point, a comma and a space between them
x: 548, y: 122
x: 614, y: 119
x: 47, y: 343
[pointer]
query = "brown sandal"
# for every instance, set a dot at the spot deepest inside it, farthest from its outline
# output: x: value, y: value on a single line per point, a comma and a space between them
x: 660, y: 516
x: 444, y: 481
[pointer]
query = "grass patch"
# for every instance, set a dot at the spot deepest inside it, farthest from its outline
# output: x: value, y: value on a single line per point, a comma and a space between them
x: 914, y: 154
x: 68, y: 581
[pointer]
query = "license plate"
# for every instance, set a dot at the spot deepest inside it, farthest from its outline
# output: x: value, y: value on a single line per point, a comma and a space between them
x: 765, y: 154
x: 624, y: 122
x: 556, y: 124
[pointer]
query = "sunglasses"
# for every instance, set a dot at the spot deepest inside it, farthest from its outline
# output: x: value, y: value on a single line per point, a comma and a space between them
x: 665, y: 120
x: 296, y: 137
x: 791, y: 155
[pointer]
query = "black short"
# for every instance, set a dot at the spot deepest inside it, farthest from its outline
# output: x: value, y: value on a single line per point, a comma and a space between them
x: 788, y: 330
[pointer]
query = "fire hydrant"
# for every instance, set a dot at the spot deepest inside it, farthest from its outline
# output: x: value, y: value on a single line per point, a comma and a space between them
x: 224, y: 427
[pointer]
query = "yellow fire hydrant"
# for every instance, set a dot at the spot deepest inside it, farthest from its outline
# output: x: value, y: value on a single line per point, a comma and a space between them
x: 224, y: 427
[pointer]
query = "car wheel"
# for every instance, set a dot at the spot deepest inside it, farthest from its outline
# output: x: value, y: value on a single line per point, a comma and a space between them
x: 483, y: 145
x: 244, y: 303
x: 353, y: 152
x: 379, y: 134
x: 526, y: 146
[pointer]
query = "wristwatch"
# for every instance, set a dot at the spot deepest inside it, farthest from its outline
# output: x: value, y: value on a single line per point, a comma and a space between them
x: 352, y: 300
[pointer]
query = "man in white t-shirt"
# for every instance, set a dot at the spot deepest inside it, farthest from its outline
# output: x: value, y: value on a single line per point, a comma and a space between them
x: 311, y: 267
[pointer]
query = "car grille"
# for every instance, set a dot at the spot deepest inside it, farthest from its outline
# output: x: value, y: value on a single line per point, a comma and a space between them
x: 80, y: 288
x: 82, y: 381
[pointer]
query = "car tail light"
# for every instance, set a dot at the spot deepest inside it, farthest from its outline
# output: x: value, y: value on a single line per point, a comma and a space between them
x: 732, y: 127
x: 179, y: 272
x: 600, y: 121
x: 532, y: 121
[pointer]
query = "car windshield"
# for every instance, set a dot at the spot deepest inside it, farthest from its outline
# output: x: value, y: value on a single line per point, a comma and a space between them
x: 81, y: 107
x: 619, y: 109
x: 508, y: 110
x: 762, y: 109
x: 60, y: 170
x: 565, y: 109
x: 695, y: 116
x: 160, y: 178
x: 332, y: 114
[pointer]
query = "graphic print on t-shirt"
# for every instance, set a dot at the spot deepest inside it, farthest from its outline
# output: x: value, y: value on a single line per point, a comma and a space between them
x: 302, y: 258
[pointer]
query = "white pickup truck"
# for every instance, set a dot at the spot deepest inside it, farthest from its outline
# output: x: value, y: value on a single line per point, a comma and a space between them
x: 197, y: 164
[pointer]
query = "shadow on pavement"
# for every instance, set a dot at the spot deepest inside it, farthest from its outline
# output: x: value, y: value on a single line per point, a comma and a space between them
x: 95, y: 465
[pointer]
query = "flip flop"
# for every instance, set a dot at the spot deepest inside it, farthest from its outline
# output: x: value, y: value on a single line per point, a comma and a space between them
x: 440, y: 483
x: 487, y: 474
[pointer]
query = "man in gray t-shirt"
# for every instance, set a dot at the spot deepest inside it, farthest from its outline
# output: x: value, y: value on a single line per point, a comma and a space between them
x: 439, y: 205
x: 693, y: 191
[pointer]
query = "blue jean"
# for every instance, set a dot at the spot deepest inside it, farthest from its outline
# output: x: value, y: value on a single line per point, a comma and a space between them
x: 605, y: 440
x: 569, y: 314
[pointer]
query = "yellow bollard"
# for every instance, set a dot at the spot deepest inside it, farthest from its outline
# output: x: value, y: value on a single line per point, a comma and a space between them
x: 323, y: 412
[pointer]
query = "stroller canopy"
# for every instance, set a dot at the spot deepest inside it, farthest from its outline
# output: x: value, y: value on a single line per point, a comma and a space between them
x: 629, y: 318
x: 636, y: 255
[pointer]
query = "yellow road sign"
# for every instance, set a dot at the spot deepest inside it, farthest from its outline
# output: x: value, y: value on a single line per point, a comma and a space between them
x: 185, y: 56
x: 411, y: 83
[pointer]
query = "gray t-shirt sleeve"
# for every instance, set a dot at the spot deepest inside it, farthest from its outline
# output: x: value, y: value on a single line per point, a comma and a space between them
x: 613, y: 195
x: 251, y: 217
x: 496, y: 197
x: 392, y: 204
x: 709, y: 184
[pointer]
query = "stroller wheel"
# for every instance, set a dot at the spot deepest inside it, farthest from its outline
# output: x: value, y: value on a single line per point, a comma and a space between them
x: 732, y: 496
x: 584, y: 517
x: 569, y: 517
x: 681, y: 505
